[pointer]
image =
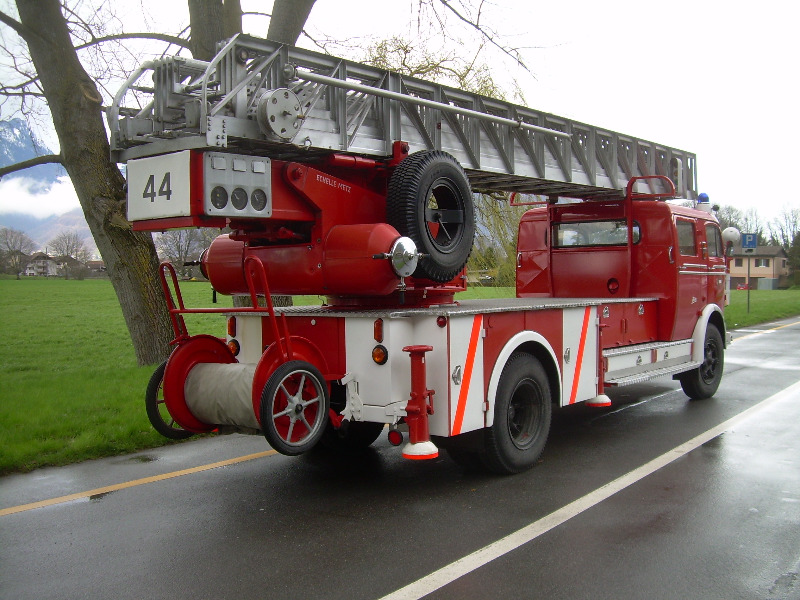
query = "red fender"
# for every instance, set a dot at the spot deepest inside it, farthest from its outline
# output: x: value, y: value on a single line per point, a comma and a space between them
x: 189, y: 353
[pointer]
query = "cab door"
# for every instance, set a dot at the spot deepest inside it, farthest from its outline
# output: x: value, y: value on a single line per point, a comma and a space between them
x: 715, y: 259
x: 693, y: 274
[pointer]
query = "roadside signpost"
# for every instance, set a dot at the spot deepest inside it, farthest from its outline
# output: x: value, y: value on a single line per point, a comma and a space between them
x: 749, y: 244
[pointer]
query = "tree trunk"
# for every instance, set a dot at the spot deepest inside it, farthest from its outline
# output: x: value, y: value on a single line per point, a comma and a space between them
x: 74, y: 102
x: 206, y: 21
x: 232, y: 18
x: 288, y: 18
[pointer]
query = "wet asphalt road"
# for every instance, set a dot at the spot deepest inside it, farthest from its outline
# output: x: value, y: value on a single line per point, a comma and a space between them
x: 718, y: 518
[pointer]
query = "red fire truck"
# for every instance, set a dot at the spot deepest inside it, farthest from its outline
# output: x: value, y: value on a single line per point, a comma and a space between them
x: 353, y: 183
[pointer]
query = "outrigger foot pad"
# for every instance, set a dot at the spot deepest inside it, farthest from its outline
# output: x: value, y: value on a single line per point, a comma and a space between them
x: 599, y: 401
x: 420, y: 451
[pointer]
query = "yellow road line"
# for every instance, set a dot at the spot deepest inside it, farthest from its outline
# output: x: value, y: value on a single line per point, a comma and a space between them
x: 129, y: 484
x: 744, y: 337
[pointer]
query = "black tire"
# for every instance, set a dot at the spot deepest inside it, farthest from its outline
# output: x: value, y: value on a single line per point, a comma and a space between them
x: 430, y: 201
x: 157, y: 411
x: 522, y: 415
x: 351, y: 437
x: 702, y: 382
x: 294, y: 407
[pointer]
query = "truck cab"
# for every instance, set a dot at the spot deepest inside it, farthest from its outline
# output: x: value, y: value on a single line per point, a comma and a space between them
x: 640, y: 247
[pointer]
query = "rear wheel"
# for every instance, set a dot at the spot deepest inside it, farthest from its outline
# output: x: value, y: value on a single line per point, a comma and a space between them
x: 702, y: 382
x: 294, y: 407
x: 522, y: 415
x: 157, y: 411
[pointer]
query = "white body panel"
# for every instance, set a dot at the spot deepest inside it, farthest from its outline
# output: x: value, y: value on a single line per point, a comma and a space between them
x: 579, y: 376
x: 385, y: 389
x: 467, y: 400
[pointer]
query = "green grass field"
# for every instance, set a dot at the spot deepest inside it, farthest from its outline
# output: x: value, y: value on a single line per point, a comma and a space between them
x: 70, y: 388
x: 765, y: 306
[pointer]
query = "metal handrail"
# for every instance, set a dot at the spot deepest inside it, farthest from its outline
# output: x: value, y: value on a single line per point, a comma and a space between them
x: 255, y: 274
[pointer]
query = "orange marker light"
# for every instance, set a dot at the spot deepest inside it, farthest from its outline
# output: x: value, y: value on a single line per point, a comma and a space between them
x: 380, y: 355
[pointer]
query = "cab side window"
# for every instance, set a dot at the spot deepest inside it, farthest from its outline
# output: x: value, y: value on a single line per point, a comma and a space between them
x: 686, y: 237
x: 714, y: 240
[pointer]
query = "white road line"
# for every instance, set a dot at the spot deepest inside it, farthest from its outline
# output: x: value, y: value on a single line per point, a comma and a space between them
x: 477, y: 559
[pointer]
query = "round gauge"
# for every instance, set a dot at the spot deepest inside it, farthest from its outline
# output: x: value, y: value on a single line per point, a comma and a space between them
x: 219, y: 197
x: 258, y: 199
x: 239, y: 199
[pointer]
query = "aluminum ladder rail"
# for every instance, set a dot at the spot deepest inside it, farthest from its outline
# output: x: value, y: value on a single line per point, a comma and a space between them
x: 344, y: 106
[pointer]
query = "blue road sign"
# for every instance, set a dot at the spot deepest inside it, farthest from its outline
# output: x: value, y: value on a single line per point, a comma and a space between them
x: 749, y: 240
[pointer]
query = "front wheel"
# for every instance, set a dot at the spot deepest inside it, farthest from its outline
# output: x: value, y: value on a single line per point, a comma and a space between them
x: 702, y: 382
x: 294, y: 407
x: 522, y: 414
x: 157, y: 411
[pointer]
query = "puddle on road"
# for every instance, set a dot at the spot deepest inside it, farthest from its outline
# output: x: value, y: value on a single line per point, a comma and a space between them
x: 144, y: 458
x: 100, y: 496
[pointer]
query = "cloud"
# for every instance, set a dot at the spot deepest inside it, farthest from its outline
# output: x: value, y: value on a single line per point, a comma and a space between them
x: 30, y: 197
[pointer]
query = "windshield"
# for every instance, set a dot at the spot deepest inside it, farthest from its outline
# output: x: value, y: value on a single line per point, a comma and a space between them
x: 593, y: 233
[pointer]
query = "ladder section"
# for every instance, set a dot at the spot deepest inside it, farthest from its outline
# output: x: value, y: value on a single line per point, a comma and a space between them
x: 285, y: 102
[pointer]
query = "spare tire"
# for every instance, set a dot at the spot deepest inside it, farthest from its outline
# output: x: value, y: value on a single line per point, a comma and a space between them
x: 430, y: 201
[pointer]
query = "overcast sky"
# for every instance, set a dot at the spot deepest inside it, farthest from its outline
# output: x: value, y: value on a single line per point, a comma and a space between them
x: 716, y: 79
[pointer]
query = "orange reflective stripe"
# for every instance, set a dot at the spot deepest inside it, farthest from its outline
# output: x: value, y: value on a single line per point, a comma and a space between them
x: 477, y: 322
x: 577, y: 376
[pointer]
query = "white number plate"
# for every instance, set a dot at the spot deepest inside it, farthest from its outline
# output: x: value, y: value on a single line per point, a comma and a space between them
x: 158, y: 187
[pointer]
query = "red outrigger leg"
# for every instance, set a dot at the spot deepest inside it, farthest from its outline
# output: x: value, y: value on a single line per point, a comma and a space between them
x: 420, y: 405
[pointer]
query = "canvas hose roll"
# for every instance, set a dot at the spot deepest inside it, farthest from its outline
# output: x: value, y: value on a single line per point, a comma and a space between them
x: 221, y: 394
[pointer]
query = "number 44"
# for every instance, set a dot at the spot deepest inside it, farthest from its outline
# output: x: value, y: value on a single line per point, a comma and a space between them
x: 163, y: 190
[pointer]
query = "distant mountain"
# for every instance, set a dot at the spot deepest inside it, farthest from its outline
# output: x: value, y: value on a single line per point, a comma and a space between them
x: 43, y: 231
x: 18, y: 143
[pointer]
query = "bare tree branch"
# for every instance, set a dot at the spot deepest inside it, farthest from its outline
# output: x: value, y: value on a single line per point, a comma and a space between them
x: 486, y: 34
x: 22, y: 94
x: 170, y: 39
x: 24, y: 32
x: 7, y: 89
x: 26, y: 164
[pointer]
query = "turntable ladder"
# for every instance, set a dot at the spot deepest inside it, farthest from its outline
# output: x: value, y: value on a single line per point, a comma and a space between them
x: 256, y: 96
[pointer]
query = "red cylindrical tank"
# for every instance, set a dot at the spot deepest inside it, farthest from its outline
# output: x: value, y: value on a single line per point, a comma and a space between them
x: 223, y: 264
x: 348, y: 265
x: 343, y: 264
